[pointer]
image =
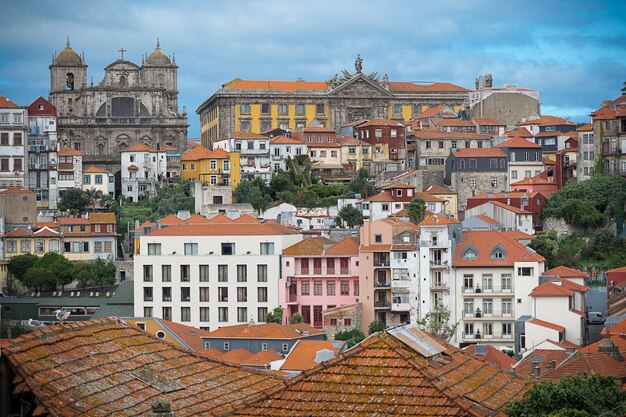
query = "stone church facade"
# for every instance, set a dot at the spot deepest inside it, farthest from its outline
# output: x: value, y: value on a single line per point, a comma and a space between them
x: 131, y: 104
x: 259, y: 106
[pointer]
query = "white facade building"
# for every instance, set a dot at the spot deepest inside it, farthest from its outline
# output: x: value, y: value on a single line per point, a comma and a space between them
x: 586, y: 152
x: 96, y: 178
x: 254, y: 151
x: 13, y: 137
x: 511, y: 218
x: 143, y: 168
x: 70, y: 169
x: 282, y: 148
x: 42, y: 153
x: 493, y: 275
x: 210, y: 275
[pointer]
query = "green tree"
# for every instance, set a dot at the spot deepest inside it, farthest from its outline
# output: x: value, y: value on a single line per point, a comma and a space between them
x: 39, y: 278
x: 352, y: 337
x: 103, y: 273
x: 580, y: 213
x: 83, y: 273
x: 572, y: 396
x: 93, y: 196
x: 254, y: 192
x: 416, y: 210
x: 18, y: 265
x: 74, y: 200
x: 58, y: 267
x: 437, y: 321
x: 375, y: 327
x: 360, y: 184
x: 351, y: 216
x: 296, y: 318
x: 280, y: 182
x: 546, y: 244
x: 274, y: 316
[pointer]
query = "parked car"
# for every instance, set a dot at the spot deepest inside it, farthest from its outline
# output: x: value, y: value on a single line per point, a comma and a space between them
x: 595, y: 317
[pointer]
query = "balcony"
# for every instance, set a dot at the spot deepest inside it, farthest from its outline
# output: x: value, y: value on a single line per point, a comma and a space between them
x: 439, y: 285
x: 66, y: 166
x: 381, y: 304
x: 400, y: 307
x: 35, y: 167
x: 382, y: 284
x: 400, y: 283
x: 478, y: 335
x: 381, y: 262
x: 439, y: 264
x: 489, y: 315
x: 433, y: 243
x: 611, y: 149
x: 244, y: 152
x: 487, y: 291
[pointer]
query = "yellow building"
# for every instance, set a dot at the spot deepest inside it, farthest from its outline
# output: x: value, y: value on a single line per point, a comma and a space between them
x: 20, y: 241
x: 212, y: 167
x: 262, y: 105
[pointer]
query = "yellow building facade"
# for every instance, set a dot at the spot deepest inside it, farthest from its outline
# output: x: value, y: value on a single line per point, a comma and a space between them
x: 211, y: 167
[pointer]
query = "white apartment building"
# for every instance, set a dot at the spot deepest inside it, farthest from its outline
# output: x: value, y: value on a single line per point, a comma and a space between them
x: 42, y: 153
x: 96, y: 178
x: 438, y: 235
x: 143, y: 168
x: 220, y: 273
x: 510, y: 217
x: 586, y: 152
x: 70, y: 169
x: 254, y: 151
x: 13, y: 136
x: 493, y: 276
x: 282, y: 148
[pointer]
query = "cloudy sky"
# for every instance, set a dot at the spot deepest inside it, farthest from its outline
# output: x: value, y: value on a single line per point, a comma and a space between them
x: 574, y: 52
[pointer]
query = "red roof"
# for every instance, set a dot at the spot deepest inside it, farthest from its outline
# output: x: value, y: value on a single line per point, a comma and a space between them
x: 543, y: 358
x: 5, y: 102
x: 408, y: 87
x: 563, y: 271
x: 200, y: 152
x: 286, y: 86
x: 547, y: 325
x: 438, y: 220
x: 138, y: 147
x: 196, y: 219
x: 518, y: 142
x: 588, y: 363
x: 16, y: 190
x: 18, y: 232
x: 170, y: 220
x: 483, y: 242
x: 68, y: 152
x: 431, y: 112
x: 191, y: 336
x: 304, y: 352
x: 491, y: 355
x: 438, y: 134
x: 92, y: 169
x: 586, y: 128
x: 283, y: 140
x: 485, y: 121
x: 265, y: 331
x: 479, y: 153
x: 519, y: 131
x: 438, y: 190
x: 381, y: 122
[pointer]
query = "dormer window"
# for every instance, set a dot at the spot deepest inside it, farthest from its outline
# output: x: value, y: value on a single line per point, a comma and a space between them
x: 470, y: 254
x: 498, y: 253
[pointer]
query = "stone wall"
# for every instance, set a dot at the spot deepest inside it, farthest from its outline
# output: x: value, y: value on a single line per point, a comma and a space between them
x: 124, y: 271
x: 461, y: 183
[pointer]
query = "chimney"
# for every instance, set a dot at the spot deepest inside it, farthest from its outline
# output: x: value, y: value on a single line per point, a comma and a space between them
x: 162, y: 408
x: 536, y: 371
x: 610, y: 348
x: 551, y: 364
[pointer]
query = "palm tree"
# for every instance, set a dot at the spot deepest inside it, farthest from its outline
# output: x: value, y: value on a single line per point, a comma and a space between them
x: 94, y: 196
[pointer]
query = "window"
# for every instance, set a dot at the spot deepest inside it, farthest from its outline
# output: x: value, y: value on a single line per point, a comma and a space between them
x: 262, y: 314
x: 222, y: 294
x: 204, y: 273
x: 204, y: 316
x: 242, y: 314
x: 167, y: 313
x: 507, y: 306
x: 86, y: 179
x: 333, y: 154
x: 385, y: 207
x: 487, y: 283
x: 378, y: 238
x: 267, y: 248
x: 347, y: 322
x: 525, y: 272
x: 226, y: 346
x: 222, y: 314
x: 166, y: 273
x: 468, y: 307
x: 468, y: 282
x: 222, y: 273
x: 185, y: 273
x: 317, y: 287
x: 98, y: 179
x: 191, y: 248
x: 167, y: 293
x: 488, y: 329
x: 469, y: 329
x: 299, y: 109
x: 154, y: 248
x: 261, y: 273
x: 147, y: 311
x: 147, y: 273
x: 185, y: 314
x: 322, y: 154
x: 242, y: 294
x: 494, y: 182
x: 304, y: 287
x: 147, y: 293
x: 265, y: 108
x: 507, y: 329
x: 345, y: 287
x: 244, y: 108
x: 185, y: 294
x: 242, y: 273
x: 204, y: 293
x: 320, y: 108
x: 283, y: 108
x: 97, y: 247
x: 356, y: 287
x: 262, y: 294
x: 330, y: 288
x: 473, y: 182
x: 488, y: 306
x: 228, y: 248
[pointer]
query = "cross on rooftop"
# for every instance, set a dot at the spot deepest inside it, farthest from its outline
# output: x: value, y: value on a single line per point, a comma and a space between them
x: 122, y: 50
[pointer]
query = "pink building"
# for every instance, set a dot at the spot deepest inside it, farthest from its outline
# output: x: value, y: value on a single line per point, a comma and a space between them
x: 318, y: 274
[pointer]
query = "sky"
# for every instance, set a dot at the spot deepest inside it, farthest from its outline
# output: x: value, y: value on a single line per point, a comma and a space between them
x: 573, y: 52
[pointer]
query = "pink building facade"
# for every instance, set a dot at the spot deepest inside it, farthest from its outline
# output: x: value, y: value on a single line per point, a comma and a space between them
x: 318, y: 274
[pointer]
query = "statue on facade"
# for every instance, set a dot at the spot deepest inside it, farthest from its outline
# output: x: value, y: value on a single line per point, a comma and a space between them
x: 334, y: 81
x: 385, y: 82
x: 477, y: 81
x: 488, y: 81
x: 358, y: 64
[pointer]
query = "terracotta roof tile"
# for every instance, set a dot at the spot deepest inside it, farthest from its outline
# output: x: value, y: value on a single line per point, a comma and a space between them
x: 196, y: 219
x: 283, y: 140
x: 479, y: 153
x: 403, y: 86
x: 585, y: 128
x: 381, y: 122
x: 18, y: 232
x: 438, y: 190
x: 485, y: 121
x: 302, y: 355
x: 431, y: 112
x: 68, y: 152
x: 63, y: 221
x: 484, y: 241
x: 200, y: 152
x: 347, y: 246
x: 589, y: 363
x: 286, y: 86
x: 619, y: 328
x: 221, y: 218
x: 618, y: 340
x: 170, y: 220
x: 16, y: 190
x: 313, y: 246
x: 5, y: 102
x: 518, y: 235
x: 486, y: 219
x: 100, y: 367
x: 492, y: 355
x: 547, y: 324
x: 563, y: 271
x: 438, y: 220
x: 92, y: 169
x: 519, y: 131
x: 540, y: 358
x: 191, y: 336
x: 138, y: 147
x: 437, y: 134
x: 533, y: 181
x: 518, y: 142
x: 264, y: 331
x: 508, y: 207
x: 102, y: 218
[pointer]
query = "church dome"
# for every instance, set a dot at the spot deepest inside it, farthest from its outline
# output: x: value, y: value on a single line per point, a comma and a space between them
x: 67, y: 56
x: 157, y: 57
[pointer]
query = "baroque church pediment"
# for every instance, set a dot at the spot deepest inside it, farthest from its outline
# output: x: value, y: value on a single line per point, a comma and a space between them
x: 122, y: 65
x: 360, y: 85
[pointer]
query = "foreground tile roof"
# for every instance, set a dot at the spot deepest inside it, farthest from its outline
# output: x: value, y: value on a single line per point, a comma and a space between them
x: 102, y: 367
x: 391, y: 374
x: 542, y: 358
x: 304, y: 354
x: 490, y: 354
x: 264, y: 331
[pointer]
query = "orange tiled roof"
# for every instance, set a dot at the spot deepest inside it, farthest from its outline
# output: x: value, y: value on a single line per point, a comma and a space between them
x: 492, y: 355
x: 267, y: 228
x: 302, y: 356
x: 533, y: 181
x: 196, y: 219
x: 484, y: 241
x: 52, y: 225
x: 102, y: 217
x: 145, y: 224
x: 313, y: 246
x: 63, y: 221
x: 586, y: 128
x: 168, y: 148
x: 200, y: 152
x: 430, y: 112
x: 18, y: 232
x: 438, y: 220
x: 286, y: 86
x: 264, y: 331
x: 505, y: 206
x: 547, y: 324
x: 221, y: 218
x: 383, y: 196
x: 283, y: 140
x: 387, y: 375
x: 587, y: 363
x: 5, y: 102
x: 563, y: 271
x: 92, y: 169
x: 16, y: 190
x: 246, y: 134
x: 138, y: 147
x: 551, y: 289
x: 101, y: 367
x: 170, y: 220
x: 618, y: 340
x: 348, y: 246
x: 485, y: 121
x: 478, y: 152
x: 191, y: 336
x: 437, y: 134
x: 381, y: 122
x: 403, y: 86
x: 243, y: 357
x: 544, y: 120
x: 518, y: 142
x: 542, y: 358
x: 438, y: 190
x: 404, y: 186
x: 455, y: 122
x: 519, y: 131
x: 68, y: 152
x: 485, y: 219
x: 518, y: 235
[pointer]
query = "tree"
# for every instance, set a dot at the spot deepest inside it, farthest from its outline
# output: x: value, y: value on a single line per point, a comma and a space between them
x: 83, y: 273
x: 352, y: 337
x: 39, y: 278
x: 375, y: 327
x: 546, y: 244
x: 296, y: 318
x: 275, y: 316
x: 18, y: 265
x: 416, y: 210
x: 580, y: 213
x: 572, y: 396
x: 74, y: 200
x: 103, y: 273
x: 360, y: 184
x: 351, y: 216
x: 436, y: 321
x: 58, y: 267
x: 254, y: 192
x: 93, y: 196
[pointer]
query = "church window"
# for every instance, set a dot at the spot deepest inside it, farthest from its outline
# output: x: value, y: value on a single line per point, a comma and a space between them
x: 319, y: 108
x: 122, y: 81
x: 244, y: 108
x: 300, y: 109
x: 123, y: 107
x: 397, y: 109
x: 160, y: 78
x: 283, y: 109
x: 69, y: 81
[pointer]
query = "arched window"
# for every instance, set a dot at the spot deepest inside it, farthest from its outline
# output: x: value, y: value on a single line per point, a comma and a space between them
x: 461, y: 163
x: 69, y: 81
x: 502, y: 164
x: 122, y: 81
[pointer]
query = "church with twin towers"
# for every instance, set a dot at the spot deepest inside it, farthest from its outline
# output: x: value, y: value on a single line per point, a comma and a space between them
x: 132, y: 103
